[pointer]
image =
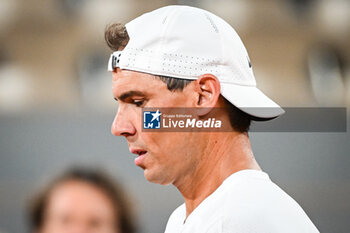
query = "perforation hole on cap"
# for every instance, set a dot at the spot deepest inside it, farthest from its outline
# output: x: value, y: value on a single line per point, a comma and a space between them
x: 171, y: 63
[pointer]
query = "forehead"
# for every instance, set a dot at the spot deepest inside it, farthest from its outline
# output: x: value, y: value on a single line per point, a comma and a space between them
x: 79, y: 197
x: 76, y: 189
x: 124, y: 80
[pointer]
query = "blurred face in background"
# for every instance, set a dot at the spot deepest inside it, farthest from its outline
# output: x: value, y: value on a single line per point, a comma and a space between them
x: 78, y: 207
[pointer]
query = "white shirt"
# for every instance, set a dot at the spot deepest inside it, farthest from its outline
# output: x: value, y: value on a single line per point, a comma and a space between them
x: 246, y: 202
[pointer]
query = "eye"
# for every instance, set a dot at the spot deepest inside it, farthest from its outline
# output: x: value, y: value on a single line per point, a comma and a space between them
x: 138, y: 103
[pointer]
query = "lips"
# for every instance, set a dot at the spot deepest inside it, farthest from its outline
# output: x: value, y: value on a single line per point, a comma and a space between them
x: 138, y: 151
x: 141, y: 156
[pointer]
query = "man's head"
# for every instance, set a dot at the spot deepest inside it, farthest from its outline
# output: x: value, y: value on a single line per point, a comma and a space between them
x: 81, y: 200
x: 174, y: 57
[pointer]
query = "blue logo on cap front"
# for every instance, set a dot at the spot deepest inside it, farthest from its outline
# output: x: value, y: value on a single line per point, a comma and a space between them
x: 151, y: 120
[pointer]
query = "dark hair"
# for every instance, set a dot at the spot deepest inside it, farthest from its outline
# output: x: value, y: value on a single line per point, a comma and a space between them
x: 174, y: 84
x: 100, y: 180
x: 240, y: 121
x: 117, y: 38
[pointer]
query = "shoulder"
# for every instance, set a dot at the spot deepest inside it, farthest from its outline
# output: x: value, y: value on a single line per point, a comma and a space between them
x: 254, y: 189
x: 255, y: 203
x: 267, y: 222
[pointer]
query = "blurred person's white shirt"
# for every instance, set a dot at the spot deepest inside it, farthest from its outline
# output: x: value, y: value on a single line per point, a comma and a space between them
x: 246, y: 202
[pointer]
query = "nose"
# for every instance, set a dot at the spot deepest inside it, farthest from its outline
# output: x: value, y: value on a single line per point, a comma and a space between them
x: 122, y: 125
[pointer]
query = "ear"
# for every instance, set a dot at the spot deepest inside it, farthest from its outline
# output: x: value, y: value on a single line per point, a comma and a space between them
x: 208, y: 89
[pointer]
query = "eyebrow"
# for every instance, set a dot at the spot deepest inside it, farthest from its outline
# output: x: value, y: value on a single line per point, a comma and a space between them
x: 129, y: 94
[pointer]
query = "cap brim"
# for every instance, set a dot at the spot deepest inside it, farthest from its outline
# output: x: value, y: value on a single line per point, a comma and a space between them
x: 251, y: 100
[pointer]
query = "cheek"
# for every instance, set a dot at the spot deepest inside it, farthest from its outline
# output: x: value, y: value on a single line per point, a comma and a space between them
x: 132, y: 114
x: 136, y: 118
x: 170, y: 146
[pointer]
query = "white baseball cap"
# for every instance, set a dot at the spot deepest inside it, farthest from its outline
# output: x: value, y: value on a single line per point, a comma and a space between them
x: 187, y: 42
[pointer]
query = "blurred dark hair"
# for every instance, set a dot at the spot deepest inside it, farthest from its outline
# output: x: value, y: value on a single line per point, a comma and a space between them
x: 95, y: 177
x: 117, y: 38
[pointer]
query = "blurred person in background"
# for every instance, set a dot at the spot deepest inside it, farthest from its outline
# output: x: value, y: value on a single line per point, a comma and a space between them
x: 81, y: 201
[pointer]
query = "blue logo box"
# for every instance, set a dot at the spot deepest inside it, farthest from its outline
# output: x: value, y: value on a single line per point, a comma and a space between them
x: 151, y: 119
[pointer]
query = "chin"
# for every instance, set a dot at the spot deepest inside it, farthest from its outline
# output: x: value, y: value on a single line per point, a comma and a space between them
x: 157, y: 177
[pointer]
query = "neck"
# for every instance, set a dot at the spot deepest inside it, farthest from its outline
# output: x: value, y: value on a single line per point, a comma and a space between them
x: 224, y: 154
